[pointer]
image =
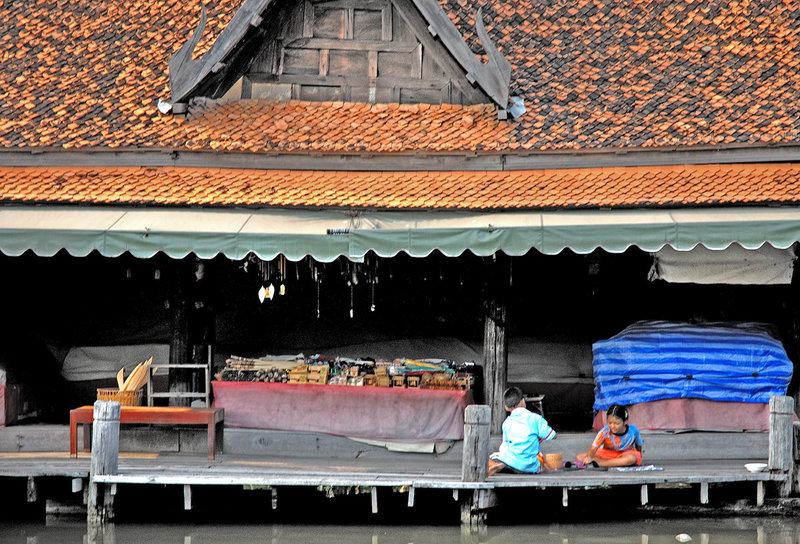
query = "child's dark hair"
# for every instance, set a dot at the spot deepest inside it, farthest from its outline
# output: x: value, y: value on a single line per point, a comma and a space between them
x: 512, y: 396
x: 617, y: 410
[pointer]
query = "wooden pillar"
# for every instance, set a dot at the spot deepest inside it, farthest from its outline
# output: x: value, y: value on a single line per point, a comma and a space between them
x: 179, y: 349
x: 105, y: 460
x: 475, y: 456
x: 781, y: 440
x: 474, y: 468
x: 495, y: 341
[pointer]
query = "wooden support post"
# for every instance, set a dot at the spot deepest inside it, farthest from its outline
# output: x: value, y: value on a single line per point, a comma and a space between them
x: 781, y: 433
x: 495, y: 340
x: 32, y: 493
x: 475, y: 454
x: 473, y: 520
x: 781, y: 440
x: 703, y: 492
x: 274, y: 498
x: 374, y: 495
x: 760, y: 493
x: 77, y: 485
x: 564, y: 497
x: 411, y: 496
x: 643, y: 495
x: 187, y: 497
x: 485, y: 498
x: 180, y: 349
x: 105, y: 460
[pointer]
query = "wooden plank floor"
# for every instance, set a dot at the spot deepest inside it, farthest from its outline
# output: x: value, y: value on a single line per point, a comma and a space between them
x: 421, y: 471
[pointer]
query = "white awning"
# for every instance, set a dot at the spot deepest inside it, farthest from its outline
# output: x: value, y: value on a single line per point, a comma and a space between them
x: 732, y: 265
x: 328, y: 234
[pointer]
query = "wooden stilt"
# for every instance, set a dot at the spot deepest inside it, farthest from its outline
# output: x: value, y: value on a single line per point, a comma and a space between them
x: 473, y: 519
x: 564, y: 497
x: 374, y: 494
x: 760, y: 493
x: 411, y: 496
x: 703, y: 492
x: 274, y: 498
x: 105, y: 460
x: 643, y: 494
x: 187, y: 497
x: 77, y: 485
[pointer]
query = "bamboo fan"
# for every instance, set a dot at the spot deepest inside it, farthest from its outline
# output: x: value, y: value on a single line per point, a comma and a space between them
x: 136, y: 379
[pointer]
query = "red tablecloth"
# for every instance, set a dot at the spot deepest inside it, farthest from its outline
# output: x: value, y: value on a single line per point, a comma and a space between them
x: 695, y: 414
x: 362, y: 412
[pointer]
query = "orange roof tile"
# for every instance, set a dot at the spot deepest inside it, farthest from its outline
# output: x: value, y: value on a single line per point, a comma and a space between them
x: 594, y: 74
x: 667, y: 186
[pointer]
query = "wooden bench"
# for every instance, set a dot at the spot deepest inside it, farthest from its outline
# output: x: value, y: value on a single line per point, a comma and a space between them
x: 151, y: 415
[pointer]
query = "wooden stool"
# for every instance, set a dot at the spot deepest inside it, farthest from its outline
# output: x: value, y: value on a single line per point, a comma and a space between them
x: 536, y: 402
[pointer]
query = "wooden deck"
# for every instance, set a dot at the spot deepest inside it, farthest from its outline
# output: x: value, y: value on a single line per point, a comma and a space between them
x: 336, y: 463
x: 410, y: 472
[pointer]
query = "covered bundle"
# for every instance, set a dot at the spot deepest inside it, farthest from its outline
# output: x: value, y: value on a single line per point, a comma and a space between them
x: 653, y: 360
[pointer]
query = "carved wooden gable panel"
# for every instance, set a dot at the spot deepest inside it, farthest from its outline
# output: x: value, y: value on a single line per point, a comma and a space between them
x: 355, y: 51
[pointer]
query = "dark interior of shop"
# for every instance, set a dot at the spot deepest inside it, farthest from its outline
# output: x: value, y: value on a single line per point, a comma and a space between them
x: 54, y: 303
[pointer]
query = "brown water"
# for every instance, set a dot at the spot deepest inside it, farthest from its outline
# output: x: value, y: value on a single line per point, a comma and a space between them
x: 700, y: 531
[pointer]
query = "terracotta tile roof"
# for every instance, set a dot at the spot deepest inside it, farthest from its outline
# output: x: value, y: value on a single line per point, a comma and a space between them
x: 647, y: 72
x: 523, y: 189
x: 594, y: 74
x: 348, y: 127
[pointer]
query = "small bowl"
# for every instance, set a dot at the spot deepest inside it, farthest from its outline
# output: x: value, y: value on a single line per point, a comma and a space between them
x: 755, y: 467
x: 553, y: 460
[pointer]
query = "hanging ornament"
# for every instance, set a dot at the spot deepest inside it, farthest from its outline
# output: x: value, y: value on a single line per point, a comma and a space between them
x: 318, y: 282
x: 271, y: 291
x: 351, y: 298
x: 262, y: 294
x: 372, y: 306
x: 282, y: 290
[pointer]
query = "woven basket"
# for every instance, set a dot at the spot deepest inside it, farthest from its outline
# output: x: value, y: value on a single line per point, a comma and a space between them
x: 125, y: 398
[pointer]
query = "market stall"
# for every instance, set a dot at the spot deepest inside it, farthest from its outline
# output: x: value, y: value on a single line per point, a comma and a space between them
x: 679, y: 376
x: 393, y: 403
x: 361, y: 412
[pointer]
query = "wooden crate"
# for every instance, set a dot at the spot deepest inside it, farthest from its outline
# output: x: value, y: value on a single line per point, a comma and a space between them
x: 318, y: 374
x: 298, y: 374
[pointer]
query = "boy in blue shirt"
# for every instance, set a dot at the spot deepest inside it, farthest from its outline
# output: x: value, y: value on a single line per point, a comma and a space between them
x: 523, y: 430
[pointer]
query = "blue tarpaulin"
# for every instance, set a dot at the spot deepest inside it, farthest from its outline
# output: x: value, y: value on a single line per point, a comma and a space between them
x: 653, y: 360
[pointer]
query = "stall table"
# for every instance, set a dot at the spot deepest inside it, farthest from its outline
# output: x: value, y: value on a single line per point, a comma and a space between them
x: 151, y: 415
x: 381, y: 413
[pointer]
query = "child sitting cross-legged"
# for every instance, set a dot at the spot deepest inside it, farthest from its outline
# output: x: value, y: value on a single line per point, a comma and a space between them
x: 523, y: 430
x: 617, y: 444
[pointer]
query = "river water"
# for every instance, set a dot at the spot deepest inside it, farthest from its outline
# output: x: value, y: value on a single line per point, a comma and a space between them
x: 660, y: 531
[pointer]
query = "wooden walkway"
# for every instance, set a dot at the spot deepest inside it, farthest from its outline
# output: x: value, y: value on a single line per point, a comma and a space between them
x: 409, y: 472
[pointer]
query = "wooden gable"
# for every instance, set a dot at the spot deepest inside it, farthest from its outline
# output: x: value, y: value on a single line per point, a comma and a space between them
x: 355, y: 51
